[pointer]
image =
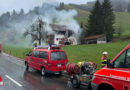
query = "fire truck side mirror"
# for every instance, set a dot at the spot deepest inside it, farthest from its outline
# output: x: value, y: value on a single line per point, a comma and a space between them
x: 109, y: 64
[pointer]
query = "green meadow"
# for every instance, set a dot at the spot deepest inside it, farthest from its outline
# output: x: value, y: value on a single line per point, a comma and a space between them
x: 122, y: 19
x: 77, y: 53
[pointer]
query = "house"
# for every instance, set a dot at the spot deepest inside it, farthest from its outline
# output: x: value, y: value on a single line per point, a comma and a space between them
x: 97, y: 39
x: 62, y: 35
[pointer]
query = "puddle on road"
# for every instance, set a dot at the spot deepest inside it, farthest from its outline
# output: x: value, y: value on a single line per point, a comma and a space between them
x: 49, y: 82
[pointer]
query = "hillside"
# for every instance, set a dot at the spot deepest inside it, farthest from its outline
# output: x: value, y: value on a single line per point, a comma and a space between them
x: 81, y: 12
x: 122, y: 18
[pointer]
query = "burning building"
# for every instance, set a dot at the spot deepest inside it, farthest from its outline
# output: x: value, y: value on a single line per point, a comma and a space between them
x: 62, y: 35
x: 66, y: 31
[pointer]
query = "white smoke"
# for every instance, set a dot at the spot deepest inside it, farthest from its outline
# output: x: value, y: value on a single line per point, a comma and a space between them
x: 50, y: 15
x: 63, y: 17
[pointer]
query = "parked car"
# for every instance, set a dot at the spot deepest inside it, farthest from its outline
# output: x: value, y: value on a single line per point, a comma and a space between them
x: 115, y: 75
x: 51, y: 59
x: 1, y: 82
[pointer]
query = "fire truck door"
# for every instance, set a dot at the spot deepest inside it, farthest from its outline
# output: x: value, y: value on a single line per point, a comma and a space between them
x: 122, y: 70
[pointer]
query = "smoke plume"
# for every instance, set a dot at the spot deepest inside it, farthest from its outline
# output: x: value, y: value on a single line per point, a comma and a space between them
x: 14, y: 25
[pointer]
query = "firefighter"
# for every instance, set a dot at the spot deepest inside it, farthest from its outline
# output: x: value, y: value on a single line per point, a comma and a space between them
x: 104, y: 59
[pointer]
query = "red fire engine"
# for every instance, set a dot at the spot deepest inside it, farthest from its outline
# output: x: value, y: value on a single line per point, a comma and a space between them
x: 51, y: 59
x: 115, y: 75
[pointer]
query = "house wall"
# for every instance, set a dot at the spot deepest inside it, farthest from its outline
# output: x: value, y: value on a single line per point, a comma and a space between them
x: 58, y: 38
x: 101, y: 40
x: 96, y: 41
x: 49, y: 39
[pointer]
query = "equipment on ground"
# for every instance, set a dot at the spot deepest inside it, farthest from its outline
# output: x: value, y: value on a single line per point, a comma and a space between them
x: 72, y: 69
x: 80, y: 74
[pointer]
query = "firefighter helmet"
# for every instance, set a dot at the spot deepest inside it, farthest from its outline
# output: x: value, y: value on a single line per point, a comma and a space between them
x: 105, y: 53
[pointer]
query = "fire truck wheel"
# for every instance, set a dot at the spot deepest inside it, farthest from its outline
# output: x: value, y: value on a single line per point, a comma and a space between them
x: 75, y: 82
x: 43, y: 72
x: 89, y: 87
x: 105, y: 87
x: 61, y: 73
x: 26, y: 65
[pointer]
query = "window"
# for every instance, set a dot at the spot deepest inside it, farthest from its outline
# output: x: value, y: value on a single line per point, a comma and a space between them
x: 43, y: 55
x: 58, y: 56
x: 35, y: 54
x: 120, y: 61
x: 127, y: 62
x: 123, y: 61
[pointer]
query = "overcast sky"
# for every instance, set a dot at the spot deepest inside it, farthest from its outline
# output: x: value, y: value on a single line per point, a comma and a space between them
x: 9, y: 5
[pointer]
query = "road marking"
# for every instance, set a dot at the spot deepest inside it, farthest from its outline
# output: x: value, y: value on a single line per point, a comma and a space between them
x: 13, y: 81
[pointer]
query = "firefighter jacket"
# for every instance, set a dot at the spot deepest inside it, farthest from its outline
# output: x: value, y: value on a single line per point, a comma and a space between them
x: 103, y: 60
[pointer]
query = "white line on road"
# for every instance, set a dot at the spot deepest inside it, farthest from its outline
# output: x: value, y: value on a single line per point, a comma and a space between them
x: 13, y: 81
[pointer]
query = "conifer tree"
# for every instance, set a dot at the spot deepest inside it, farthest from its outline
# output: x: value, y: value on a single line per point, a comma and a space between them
x: 129, y: 8
x: 108, y: 19
x: 95, y: 20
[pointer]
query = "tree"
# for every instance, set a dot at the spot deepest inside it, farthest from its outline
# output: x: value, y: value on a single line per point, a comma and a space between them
x: 61, y: 6
x: 14, y: 12
x: 37, y: 31
x: 81, y: 25
x: 4, y: 19
x: 95, y: 20
x: 119, y: 30
x: 36, y: 10
x: 120, y: 8
x: 21, y: 12
x: 129, y: 8
x: 82, y: 34
x: 108, y: 19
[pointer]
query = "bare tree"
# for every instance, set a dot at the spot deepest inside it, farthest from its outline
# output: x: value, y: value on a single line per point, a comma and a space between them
x: 37, y: 31
x: 119, y: 31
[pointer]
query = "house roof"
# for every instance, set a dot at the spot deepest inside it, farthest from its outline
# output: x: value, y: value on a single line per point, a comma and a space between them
x: 95, y: 37
x: 57, y: 27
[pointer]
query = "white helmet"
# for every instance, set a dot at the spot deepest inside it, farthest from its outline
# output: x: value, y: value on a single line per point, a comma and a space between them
x: 105, y: 53
x: 128, y: 54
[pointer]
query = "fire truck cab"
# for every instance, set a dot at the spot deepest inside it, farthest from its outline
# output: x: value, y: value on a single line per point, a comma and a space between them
x: 115, y: 75
x: 51, y: 59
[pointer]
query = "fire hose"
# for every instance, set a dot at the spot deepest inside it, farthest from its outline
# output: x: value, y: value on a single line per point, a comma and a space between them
x: 72, y: 69
x: 81, y: 68
x: 80, y: 74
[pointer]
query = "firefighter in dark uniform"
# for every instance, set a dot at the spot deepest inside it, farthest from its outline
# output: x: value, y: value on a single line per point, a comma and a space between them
x: 104, y: 59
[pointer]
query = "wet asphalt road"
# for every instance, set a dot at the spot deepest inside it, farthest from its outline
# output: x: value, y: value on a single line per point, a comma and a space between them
x: 15, y: 77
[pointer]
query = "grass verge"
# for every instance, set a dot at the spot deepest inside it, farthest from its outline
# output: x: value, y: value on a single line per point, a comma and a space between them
x: 78, y: 53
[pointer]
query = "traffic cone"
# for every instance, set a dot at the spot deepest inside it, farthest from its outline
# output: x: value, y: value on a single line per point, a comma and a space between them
x: 1, y: 82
